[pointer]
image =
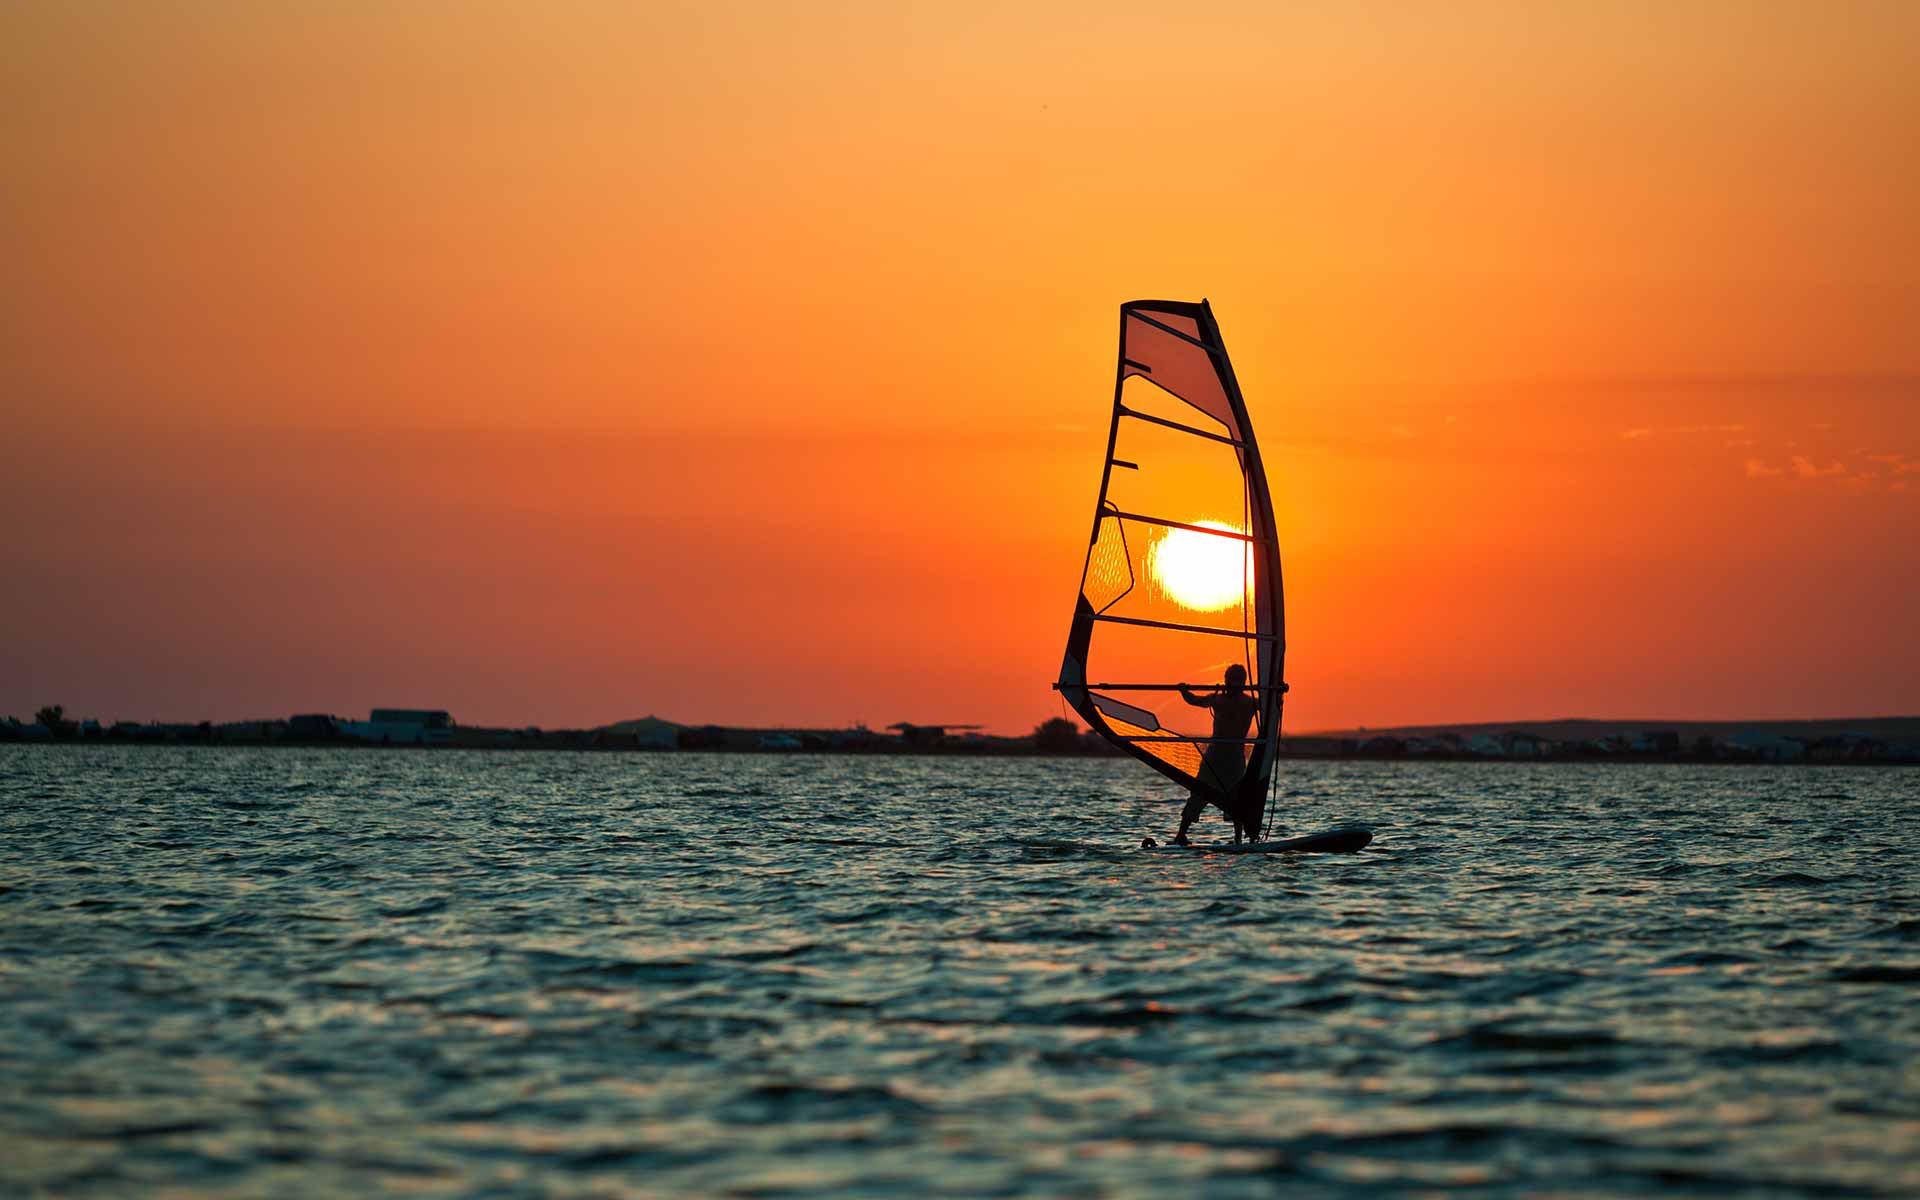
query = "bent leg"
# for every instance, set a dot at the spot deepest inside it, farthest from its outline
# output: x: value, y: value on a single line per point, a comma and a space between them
x: 1196, y: 803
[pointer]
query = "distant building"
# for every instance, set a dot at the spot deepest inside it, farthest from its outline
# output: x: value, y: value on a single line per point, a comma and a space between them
x: 924, y: 737
x: 1753, y: 743
x: 1850, y: 747
x: 313, y: 727
x: 718, y: 737
x: 857, y: 738
x: 473, y: 737
x: 250, y: 731
x: 1522, y: 744
x: 1317, y: 747
x: 402, y: 727
x: 648, y: 733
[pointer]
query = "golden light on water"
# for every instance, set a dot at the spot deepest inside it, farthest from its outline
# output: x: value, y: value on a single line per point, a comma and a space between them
x: 1199, y: 570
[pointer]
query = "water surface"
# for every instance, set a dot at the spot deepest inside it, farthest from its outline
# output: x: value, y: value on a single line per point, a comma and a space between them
x: 253, y: 972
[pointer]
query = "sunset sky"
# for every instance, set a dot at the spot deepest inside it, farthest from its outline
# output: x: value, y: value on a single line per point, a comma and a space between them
x: 561, y: 363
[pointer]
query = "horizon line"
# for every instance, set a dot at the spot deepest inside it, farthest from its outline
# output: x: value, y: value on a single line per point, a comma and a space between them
x: 1320, y: 731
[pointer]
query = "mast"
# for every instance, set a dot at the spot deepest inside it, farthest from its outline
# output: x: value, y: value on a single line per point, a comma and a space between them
x: 1269, y: 588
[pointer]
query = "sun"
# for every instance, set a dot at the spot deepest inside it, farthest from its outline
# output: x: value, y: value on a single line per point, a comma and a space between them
x: 1200, y: 570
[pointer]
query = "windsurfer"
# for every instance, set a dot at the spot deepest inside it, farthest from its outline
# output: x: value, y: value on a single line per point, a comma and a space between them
x: 1225, y: 760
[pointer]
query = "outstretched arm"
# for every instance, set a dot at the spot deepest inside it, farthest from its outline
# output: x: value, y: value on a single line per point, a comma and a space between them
x: 1187, y: 694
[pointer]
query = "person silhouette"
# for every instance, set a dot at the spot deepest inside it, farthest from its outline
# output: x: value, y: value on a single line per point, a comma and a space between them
x: 1225, y: 760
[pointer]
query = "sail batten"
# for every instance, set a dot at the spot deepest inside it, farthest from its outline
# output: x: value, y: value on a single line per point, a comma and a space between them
x: 1194, y: 741
x: 1164, y: 328
x: 1169, y: 523
x: 1165, y: 687
x: 1153, y: 596
x: 1162, y: 421
x: 1210, y: 630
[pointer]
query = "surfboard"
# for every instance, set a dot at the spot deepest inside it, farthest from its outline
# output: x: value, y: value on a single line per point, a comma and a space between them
x: 1345, y: 840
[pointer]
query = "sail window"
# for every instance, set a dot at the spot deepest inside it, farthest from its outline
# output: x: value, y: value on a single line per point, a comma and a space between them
x: 1180, y: 367
x: 1118, y: 711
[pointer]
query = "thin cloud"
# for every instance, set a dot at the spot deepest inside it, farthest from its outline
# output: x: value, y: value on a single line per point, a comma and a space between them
x: 1805, y: 468
x: 1865, y: 473
x: 1835, y: 383
x: 1680, y: 431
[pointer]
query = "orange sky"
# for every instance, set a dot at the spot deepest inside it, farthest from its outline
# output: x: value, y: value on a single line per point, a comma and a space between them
x: 562, y: 363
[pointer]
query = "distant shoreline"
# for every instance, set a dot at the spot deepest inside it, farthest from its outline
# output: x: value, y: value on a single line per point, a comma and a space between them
x: 1288, y: 753
x: 1846, y: 741
x: 1891, y: 728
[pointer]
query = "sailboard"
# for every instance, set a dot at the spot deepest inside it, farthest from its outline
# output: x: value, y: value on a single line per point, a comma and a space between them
x: 1182, y: 576
x: 1345, y: 840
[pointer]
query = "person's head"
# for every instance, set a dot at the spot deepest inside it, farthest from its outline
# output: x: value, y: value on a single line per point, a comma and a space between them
x: 1236, y: 677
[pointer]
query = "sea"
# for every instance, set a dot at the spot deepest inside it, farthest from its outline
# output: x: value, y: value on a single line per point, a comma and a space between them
x: 272, y: 972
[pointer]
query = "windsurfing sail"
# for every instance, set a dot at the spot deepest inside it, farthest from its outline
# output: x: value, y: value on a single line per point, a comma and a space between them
x: 1182, y: 577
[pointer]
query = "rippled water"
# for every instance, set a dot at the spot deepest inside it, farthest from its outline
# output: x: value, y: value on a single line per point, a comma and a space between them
x: 279, y: 972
